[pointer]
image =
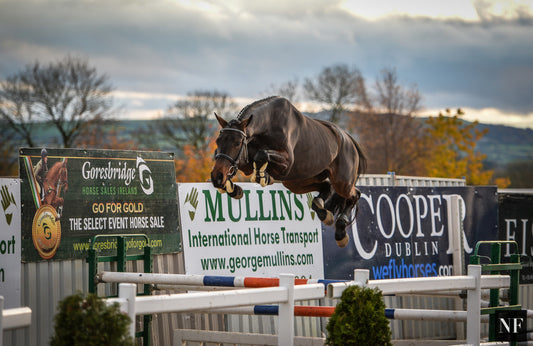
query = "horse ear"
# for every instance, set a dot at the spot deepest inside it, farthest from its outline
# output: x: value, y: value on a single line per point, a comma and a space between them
x: 246, y: 121
x: 221, y: 121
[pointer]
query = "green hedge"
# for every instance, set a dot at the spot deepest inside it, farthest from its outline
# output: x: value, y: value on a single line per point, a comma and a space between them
x: 89, y: 321
x: 359, y: 319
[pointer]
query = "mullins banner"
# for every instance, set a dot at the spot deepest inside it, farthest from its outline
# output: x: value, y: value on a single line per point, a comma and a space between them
x: 69, y: 196
x: 267, y: 232
x: 404, y: 231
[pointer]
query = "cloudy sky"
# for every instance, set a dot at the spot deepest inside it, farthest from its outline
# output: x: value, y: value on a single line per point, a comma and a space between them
x: 477, y: 55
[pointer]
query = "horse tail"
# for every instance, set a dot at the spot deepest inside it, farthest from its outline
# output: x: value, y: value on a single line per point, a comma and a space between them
x: 361, y: 169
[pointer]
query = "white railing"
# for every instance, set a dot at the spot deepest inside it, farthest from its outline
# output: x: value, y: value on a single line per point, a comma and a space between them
x: 391, y: 179
x: 474, y: 282
x: 286, y: 294
x: 13, y: 318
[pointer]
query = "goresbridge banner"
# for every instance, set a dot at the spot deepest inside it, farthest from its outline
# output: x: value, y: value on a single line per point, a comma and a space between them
x: 70, y: 195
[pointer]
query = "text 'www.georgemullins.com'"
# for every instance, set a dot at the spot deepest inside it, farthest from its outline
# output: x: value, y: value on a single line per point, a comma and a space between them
x: 279, y: 259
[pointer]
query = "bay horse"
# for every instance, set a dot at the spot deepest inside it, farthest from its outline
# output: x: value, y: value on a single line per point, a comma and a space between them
x: 271, y: 140
x: 55, y: 180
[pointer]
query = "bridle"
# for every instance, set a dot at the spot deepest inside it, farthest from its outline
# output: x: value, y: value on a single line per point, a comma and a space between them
x: 60, y: 183
x: 234, y: 161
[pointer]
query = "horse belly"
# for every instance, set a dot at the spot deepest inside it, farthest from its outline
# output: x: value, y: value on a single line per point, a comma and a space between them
x: 310, y: 164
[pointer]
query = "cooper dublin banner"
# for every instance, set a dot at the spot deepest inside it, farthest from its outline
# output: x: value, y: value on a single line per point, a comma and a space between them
x: 69, y: 196
x: 403, y: 232
x: 267, y: 232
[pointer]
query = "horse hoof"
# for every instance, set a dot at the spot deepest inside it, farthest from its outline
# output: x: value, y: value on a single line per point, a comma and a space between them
x: 237, y: 192
x: 344, y: 241
x: 328, y: 220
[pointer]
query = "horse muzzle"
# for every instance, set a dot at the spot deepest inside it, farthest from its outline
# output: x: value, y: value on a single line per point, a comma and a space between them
x: 218, y: 179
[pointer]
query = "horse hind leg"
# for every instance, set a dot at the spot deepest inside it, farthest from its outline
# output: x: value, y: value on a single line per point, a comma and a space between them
x: 343, y: 220
x: 341, y: 237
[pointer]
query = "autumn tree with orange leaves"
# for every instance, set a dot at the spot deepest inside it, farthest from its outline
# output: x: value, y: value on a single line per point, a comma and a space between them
x: 195, y: 166
x: 452, y: 150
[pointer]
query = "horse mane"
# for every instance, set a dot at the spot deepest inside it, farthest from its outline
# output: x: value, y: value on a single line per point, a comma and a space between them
x: 243, y: 111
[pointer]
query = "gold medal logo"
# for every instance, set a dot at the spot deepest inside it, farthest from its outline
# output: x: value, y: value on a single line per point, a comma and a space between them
x: 46, y: 231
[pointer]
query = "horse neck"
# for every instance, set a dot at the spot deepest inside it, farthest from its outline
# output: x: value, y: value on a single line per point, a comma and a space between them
x: 54, y: 172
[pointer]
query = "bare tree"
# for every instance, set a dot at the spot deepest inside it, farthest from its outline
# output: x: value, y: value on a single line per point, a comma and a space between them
x: 8, y: 153
x: 337, y: 88
x: 16, y: 109
x: 189, y: 121
x: 392, y: 98
x: 288, y: 89
x: 390, y: 133
x: 68, y: 94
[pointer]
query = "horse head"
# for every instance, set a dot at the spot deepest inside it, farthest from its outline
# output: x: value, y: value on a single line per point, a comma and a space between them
x: 231, y: 150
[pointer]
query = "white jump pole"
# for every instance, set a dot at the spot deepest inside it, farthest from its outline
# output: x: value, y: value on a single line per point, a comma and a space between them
x: 473, y: 301
x: 286, y: 312
x: 128, y: 292
x: 456, y: 241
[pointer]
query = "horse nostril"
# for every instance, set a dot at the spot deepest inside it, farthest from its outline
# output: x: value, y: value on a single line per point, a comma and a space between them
x: 219, y: 178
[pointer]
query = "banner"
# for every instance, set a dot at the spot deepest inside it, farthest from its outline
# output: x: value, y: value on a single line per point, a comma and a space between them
x: 516, y: 223
x: 10, y: 267
x: 403, y: 232
x: 69, y: 196
x: 267, y: 232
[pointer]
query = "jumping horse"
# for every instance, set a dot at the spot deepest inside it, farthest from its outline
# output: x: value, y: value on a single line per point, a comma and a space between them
x: 271, y: 140
x: 55, y: 180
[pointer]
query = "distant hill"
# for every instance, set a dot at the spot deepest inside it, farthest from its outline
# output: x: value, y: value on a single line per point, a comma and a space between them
x: 502, y: 144
x: 505, y: 144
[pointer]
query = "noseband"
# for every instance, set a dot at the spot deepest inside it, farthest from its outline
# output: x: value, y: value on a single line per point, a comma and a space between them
x: 234, y: 161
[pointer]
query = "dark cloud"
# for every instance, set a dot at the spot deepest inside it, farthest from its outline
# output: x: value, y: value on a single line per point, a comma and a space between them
x: 243, y: 47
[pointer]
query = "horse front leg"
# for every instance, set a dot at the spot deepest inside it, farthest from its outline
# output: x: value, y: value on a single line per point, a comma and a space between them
x: 324, y: 213
x: 234, y: 191
x: 260, y: 164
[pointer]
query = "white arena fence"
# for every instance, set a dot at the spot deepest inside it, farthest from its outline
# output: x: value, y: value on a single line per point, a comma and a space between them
x: 391, y: 179
x: 59, y: 279
x: 13, y: 318
x: 287, y: 293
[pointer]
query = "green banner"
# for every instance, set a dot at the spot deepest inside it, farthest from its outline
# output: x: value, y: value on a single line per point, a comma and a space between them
x: 70, y: 195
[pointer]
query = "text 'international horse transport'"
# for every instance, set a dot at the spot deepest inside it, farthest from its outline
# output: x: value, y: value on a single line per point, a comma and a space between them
x: 272, y: 140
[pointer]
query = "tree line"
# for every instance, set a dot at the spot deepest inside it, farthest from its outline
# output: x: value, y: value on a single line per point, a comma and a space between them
x: 74, y: 99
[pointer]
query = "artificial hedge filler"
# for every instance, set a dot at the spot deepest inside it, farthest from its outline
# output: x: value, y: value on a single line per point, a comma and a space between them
x: 359, y: 319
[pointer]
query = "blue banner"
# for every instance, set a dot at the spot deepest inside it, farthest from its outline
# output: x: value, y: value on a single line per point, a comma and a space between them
x: 403, y: 232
